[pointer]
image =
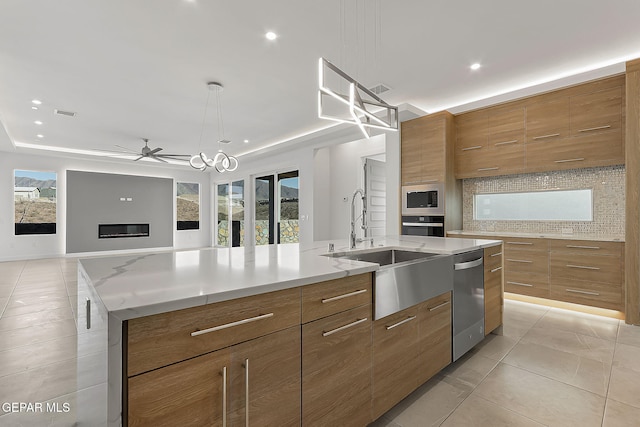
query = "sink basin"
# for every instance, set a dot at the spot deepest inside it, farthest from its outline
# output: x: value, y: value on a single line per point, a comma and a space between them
x: 387, y: 256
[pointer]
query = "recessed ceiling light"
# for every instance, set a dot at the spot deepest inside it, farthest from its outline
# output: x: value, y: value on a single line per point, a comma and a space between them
x: 36, y: 101
x: 40, y: 135
x: 475, y: 66
x: 38, y: 122
x: 271, y: 35
x: 34, y: 107
x: 246, y: 141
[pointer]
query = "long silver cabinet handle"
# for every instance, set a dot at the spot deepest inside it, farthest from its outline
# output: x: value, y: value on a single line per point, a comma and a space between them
x: 232, y: 324
x: 422, y: 224
x: 584, y: 267
x: 224, y: 396
x: 88, y: 312
x: 595, y: 128
x: 439, y: 306
x: 519, y: 260
x: 350, y: 294
x: 551, y: 135
x: 246, y: 392
x: 342, y: 328
x: 468, y: 264
x: 498, y: 254
x: 513, y: 141
x: 583, y: 247
x: 475, y: 147
x: 495, y: 269
x: 520, y: 284
x: 577, y: 159
x: 402, y: 322
x: 575, y: 291
x: 519, y: 243
x: 495, y: 168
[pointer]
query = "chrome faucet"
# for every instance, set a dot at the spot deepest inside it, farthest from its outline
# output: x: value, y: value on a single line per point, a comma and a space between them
x: 352, y: 237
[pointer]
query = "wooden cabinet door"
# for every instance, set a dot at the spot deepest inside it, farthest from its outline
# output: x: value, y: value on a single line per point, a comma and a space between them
x: 395, y: 359
x: 411, y: 151
x: 435, y: 336
x: 596, y: 112
x: 266, y: 373
x: 548, y: 120
x: 423, y: 150
x: 336, y: 369
x: 493, y: 294
x: 189, y: 393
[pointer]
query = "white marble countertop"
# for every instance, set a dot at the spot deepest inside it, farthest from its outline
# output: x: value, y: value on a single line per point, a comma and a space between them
x: 149, y: 283
x: 572, y: 236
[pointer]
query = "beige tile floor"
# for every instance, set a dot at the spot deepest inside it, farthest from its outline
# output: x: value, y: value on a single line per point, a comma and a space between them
x: 548, y: 367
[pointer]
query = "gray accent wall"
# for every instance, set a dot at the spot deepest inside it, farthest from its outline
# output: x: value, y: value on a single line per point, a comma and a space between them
x: 95, y: 198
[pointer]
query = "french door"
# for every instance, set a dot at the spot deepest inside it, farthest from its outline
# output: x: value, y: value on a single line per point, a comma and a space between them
x: 276, y: 208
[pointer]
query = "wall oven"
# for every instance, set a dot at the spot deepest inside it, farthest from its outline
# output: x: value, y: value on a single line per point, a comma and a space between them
x: 424, y: 199
x: 423, y: 226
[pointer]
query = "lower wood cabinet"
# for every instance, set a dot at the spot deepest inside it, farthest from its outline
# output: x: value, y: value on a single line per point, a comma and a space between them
x: 336, y: 369
x: 409, y: 347
x: 259, y: 379
x: 493, y: 289
x: 435, y: 336
x: 396, y: 362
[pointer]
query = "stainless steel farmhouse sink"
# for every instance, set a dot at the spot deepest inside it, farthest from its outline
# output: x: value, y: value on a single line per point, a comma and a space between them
x: 405, y: 278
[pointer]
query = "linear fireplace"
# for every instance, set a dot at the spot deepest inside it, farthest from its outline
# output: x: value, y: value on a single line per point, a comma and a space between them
x: 115, y: 231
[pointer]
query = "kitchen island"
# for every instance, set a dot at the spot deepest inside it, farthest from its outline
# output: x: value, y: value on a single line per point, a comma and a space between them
x: 116, y: 292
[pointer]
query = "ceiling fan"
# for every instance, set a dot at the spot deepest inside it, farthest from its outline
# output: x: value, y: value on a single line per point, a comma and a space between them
x: 151, y: 153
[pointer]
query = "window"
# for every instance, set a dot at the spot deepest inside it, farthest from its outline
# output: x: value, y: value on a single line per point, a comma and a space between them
x: 34, y: 196
x: 187, y: 206
x: 230, y: 204
x: 554, y: 205
x: 276, y: 209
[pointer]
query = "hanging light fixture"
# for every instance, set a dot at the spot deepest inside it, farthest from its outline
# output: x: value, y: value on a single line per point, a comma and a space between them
x: 221, y: 162
x: 342, y: 98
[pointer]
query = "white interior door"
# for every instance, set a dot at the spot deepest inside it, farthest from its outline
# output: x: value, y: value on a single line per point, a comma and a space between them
x: 375, y: 187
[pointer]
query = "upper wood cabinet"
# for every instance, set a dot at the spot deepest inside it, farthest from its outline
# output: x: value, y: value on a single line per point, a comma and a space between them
x: 596, y: 112
x: 576, y: 127
x: 424, y: 146
x: 490, y: 142
x: 548, y: 120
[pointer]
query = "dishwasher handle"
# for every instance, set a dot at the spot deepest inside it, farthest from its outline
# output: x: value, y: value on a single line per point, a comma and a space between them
x: 468, y: 264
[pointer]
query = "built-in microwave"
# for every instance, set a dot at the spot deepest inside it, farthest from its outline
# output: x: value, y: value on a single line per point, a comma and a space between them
x: 424, y: 199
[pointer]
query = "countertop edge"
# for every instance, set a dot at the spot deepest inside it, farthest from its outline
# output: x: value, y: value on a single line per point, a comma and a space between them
x: 490, y: 234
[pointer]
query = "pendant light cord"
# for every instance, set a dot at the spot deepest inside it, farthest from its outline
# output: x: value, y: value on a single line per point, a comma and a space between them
x: 204, y: 118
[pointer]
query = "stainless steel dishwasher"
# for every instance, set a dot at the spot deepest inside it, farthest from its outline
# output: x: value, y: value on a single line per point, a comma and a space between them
x: 468, y: 301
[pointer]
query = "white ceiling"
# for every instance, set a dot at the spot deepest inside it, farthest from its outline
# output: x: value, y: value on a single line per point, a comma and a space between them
x: 138, y: 69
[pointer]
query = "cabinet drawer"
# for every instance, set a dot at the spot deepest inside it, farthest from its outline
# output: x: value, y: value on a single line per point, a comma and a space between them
x: 536, y: 285
x: 395, y: 358
x: 603, y: 295
x: 492, y: 257
x: 589, y: 150
x: 522, y: 243
x: 526, y: 261
x: 336, y: 369
x: 591, y: 268
x: 587, y: 247
x: 162, y: 339
x: 333, y: 296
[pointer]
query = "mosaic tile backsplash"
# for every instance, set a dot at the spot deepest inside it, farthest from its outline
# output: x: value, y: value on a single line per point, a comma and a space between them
x: 608, y: 200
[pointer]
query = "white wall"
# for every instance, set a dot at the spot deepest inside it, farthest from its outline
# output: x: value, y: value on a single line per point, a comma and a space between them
x: 38, y: 246
x: 346, y: 176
